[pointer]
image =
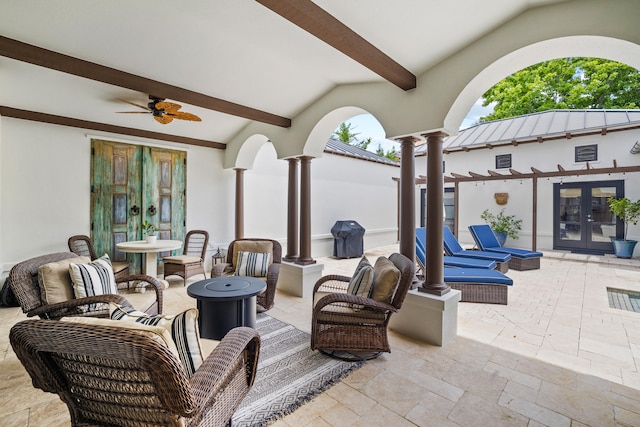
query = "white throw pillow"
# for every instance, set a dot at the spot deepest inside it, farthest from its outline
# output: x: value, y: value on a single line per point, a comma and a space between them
x: 252, y: 264
x: 95, y: 278
x: 183, y: 328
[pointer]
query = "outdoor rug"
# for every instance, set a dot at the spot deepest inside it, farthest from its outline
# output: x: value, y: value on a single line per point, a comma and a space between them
x: 289, y: 374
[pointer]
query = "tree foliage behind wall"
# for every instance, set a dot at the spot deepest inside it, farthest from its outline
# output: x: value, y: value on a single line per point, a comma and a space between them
x: 566, y: 83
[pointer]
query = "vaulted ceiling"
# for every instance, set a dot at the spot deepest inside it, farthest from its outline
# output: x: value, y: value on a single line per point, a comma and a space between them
x: 230, y: 62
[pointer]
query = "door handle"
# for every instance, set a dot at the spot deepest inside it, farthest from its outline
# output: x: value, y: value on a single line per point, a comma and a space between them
x: 135, y: 210
x: 151, y: 210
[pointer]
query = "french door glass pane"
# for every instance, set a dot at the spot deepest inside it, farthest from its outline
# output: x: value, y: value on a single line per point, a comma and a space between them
x: 603, y: 225
x: 570, y: 213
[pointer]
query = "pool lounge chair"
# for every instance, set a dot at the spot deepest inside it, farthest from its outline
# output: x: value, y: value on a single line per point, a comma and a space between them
x: 521, y: 259
x: 453, y: 248
x: 449, y: 261
x: 479, y: 285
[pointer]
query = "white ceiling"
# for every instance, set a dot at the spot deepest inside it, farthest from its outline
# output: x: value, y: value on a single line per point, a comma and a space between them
x: 235, y: 50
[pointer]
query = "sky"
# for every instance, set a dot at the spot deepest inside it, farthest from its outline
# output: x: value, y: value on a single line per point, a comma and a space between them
x: 367, y: 126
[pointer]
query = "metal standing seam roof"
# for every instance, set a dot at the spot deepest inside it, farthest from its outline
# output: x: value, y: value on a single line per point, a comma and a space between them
x: 545, y: 124
x: 338, y: 147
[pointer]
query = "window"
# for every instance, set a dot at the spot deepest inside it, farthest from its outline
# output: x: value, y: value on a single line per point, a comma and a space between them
x: 503, y: 161
x: 449, y: 206
x: 587, y: 153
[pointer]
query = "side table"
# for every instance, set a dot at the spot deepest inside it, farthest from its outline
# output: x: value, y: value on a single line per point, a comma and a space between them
x: 225, y: 303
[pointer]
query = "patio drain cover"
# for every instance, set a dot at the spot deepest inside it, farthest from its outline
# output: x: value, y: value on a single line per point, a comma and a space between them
x: 624, y: 300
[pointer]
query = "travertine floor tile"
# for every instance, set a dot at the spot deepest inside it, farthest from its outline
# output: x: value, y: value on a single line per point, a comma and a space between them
x: 555, y: 355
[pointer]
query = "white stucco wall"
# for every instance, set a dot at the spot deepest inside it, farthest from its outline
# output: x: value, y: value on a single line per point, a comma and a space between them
x: 45, y: 193
x: 476, y: 197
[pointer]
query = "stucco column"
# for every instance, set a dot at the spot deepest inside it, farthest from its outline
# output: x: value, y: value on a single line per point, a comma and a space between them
x: 407, y: 198
x: 292, y: 211
x: 305, y: 211
x: 239, y: 202
x: 434, y: 276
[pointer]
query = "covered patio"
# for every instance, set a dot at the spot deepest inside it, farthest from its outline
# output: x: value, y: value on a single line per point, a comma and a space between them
x: 267, y: 83
x: 557, y: 355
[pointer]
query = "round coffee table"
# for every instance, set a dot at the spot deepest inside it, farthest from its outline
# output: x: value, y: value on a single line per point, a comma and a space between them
x: 225, y: 303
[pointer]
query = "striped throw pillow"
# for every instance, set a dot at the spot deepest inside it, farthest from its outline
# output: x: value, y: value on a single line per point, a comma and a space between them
x: 362, y: 279
x: 95, y: 278
x: 183, y: 328
x: 252, y: 264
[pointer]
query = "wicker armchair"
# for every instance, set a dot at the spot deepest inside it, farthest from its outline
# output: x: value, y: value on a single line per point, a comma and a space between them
x: 354, y: 327
x: 266, y: 299
x: 24, y: 284
x: 118, y: 377
x: 191, y: 262
x: 81, y: 245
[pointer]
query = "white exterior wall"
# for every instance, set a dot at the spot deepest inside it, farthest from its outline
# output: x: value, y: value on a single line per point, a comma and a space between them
x: 45, y: 193
x: 342, y: 188
x: 475, y: 197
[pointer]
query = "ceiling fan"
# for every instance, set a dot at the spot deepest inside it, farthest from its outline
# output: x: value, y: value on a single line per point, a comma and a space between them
x: 163, y: 112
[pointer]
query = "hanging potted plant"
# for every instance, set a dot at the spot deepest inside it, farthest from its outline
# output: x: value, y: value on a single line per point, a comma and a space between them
x: 502, y: 225
x: 150, y: 231
x: 629, y: 212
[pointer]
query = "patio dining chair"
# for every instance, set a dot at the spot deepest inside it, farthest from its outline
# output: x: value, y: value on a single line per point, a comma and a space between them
x: 81, y: 245
x: 117, y: 373
x: 521, y: 259
x: 191, y: 262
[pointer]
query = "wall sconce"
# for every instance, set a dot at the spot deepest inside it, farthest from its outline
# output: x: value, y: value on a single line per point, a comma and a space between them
x: 501, y: 198
x: 636, y: 148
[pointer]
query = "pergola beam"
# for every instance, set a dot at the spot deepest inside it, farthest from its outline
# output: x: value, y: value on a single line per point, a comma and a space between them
x: 539, y: 174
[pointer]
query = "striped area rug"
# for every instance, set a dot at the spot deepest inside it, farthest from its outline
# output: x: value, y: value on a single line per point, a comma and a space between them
x: 289, y: 374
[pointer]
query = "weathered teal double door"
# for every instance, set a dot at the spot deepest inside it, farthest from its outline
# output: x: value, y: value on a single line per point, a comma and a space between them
x: 131, y: 184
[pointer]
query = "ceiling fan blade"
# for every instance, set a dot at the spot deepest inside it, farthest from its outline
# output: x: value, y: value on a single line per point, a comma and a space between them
x: 168, y: 107
x: 164, y: 119
x: 185, y: 116
x: 134, y: 104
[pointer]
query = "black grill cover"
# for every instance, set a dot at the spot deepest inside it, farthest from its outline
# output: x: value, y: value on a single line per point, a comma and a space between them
x: 347, y: 239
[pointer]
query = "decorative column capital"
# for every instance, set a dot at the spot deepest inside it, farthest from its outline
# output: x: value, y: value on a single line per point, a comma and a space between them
x: 413, y: 140
x: 436, y: 134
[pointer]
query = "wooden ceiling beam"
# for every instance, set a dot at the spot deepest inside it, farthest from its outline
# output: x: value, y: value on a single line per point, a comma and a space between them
x: 103, y: 127
x: 318, y: 22
x: 20, y: 51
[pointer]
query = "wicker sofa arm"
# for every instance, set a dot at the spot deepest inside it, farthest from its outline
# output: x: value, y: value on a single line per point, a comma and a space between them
x: 331, y: 283
x: 61, y: 309
x: 236, y: 357
x: 349, y: 300
x: 219, y: 270
x: 153, y: 283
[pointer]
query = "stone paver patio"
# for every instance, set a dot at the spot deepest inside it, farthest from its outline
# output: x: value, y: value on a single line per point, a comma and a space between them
x: 556, y: 355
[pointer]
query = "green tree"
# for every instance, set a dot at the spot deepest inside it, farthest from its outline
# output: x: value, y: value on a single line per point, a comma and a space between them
x: 566, y: 83
x: 346, y: 135
x: 391, y: 154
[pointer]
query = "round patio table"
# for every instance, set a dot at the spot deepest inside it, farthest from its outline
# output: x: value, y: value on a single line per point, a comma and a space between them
x: 150, y: 252
x: 225, y: 303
